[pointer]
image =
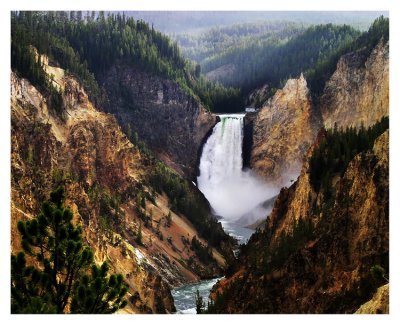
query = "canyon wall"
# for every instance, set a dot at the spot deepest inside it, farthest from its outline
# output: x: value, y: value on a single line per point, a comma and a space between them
x: 358, y: 91
x: 315, y: 254
x: 283, y: 131
x: 172, y: 123
x: 104, y: 175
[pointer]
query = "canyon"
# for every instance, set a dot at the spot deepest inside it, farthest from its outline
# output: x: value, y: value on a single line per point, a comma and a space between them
x: 337, y: 240
x: 280, y: 209
x: 86, y: 151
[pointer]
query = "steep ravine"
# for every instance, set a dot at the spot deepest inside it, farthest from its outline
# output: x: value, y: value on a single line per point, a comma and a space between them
x: 330, y: 271
x: 103, y: 173
x: 326, y: 268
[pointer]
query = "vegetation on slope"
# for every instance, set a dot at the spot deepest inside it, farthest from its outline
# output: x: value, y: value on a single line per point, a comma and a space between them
x: 88, y: 46
x: 272, y: 259
x: 189, y: 202
x: 270, y: 54
x: 337, y: 148
x: 63, y: 276
x: 321, y: 72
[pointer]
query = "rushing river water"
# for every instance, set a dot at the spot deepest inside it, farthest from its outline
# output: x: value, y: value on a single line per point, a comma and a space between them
x: 184, y: 297
x: 238, y: 196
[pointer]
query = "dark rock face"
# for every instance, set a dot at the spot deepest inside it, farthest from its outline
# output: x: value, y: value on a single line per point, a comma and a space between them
x: 170, y: 122
x: 248, y: 127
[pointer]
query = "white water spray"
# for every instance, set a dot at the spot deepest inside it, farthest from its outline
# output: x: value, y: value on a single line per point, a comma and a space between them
x: 233, y: 193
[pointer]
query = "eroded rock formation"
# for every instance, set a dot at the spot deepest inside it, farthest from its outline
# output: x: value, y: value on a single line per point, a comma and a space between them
x: 358, y: 92
x: 283, y: 131
x: 86, y: 151
x: 172, y: 123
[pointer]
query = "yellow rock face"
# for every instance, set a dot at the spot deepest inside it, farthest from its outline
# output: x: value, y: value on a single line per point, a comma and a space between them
x: 379, y: 304
x: 283, y: 131
x: 89, y: 154
x: 358, y: 91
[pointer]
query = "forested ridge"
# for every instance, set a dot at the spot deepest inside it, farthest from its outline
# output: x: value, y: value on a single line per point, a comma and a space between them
x: 261, y: 53
x: 88, y: 46
x: 272, y: 52
x: 320, y: 73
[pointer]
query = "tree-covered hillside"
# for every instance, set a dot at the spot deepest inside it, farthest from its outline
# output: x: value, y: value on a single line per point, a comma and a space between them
x: 271, y: 56
x: 205, y: 48
x: 196, y: 21
x: 320, y: 73
x: 88, y: 45
x: 247, y: 56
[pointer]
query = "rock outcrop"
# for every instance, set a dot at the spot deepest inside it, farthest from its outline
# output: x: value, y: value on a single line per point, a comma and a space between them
x: 172, y: 123
x: 379, y: 304
x: 358, y: 92
x: 283, y: 131
x: 86, y: 151
x: 315, y: 253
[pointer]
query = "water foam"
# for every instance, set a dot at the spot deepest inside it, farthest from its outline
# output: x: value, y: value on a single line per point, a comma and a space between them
x: 232, y: 192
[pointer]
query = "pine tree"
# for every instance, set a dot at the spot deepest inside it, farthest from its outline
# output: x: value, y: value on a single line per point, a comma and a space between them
x: 97, y: 294
x: 199, y: 303
x: 62, y: 260
x: 139, y: 237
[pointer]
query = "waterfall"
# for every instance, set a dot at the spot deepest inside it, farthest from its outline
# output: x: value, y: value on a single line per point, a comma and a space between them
x: 234, y: 194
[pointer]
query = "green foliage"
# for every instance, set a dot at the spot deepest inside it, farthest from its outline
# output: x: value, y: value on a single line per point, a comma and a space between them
x: 378, y: 273
x: 337, y: 149
x: 168, y: 219
x: 268, y: 52
x: 291, y: 242
x: 203, y: 252
x: 88, y: 48
x: 187, y: 201
x: 111, y: 216
x: 99, y: 293
x: 24, y: 63
x: 139, y: 236
x: 199, y: 303
x: 27, y: 295
x: 318, y: 75
x: 56, y: 246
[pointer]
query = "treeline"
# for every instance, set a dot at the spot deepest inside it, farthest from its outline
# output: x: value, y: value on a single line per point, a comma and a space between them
x: 337, y: 149
x: 88, y: 46
x: 28, y: 64
x: 29, y: 29
x: 317, y: 76
x: 209, y: 47
x: 276, y: 55
x: 270, y: 53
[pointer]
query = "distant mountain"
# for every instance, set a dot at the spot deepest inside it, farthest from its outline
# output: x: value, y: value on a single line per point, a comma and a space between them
x: 194, y: 21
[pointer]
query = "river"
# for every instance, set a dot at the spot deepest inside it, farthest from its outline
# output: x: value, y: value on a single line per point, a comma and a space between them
x: 184, y: 297
x: 238, y: 196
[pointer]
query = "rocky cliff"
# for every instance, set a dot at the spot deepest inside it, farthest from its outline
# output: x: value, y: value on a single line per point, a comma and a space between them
x: 316, y: 252
x: 356, y: 94
x: 105, y: 177
x: 172, y: 123
x: 283, y: 130
x: 379, y: 304
x: 358, y: 91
